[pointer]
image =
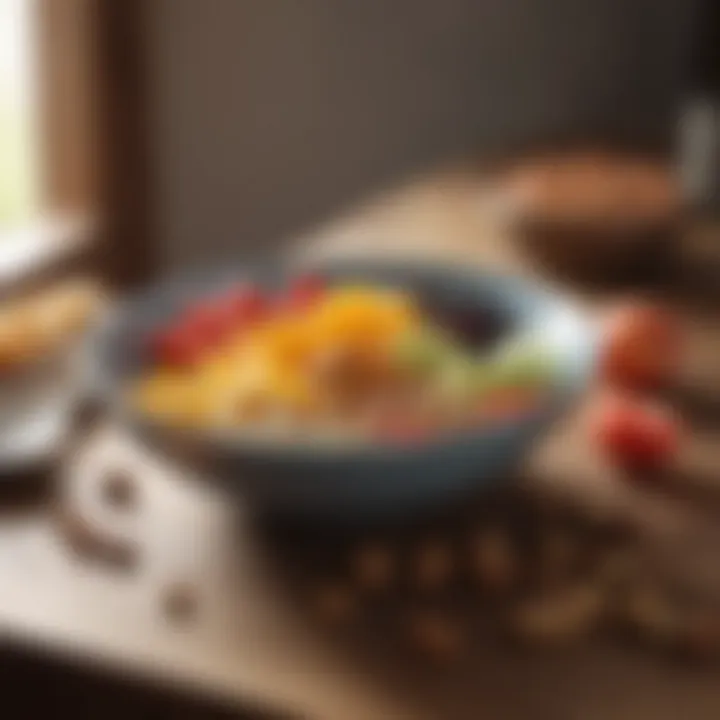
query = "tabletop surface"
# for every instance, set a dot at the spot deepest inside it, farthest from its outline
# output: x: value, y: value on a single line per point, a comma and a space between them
x: 189, y: 592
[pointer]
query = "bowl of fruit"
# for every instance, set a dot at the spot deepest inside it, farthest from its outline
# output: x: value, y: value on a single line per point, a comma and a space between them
x: 351, y: 389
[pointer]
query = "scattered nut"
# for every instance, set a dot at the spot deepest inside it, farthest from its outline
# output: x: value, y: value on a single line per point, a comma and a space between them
x: 335, y: 603
x: 558, y: 555
x: 649, y: 613
x: 436, y: 635
x: 374, y: 566
x: 180, y: 602
x: 700, y: 638
x: 93, y: 544
x: 433, y: 565
x: 495, y: 561
x: 119, y: 489
x: 561, y: 617
x: 617, y: 567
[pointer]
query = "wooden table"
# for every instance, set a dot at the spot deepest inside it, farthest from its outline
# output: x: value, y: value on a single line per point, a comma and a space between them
x: 249, y: 640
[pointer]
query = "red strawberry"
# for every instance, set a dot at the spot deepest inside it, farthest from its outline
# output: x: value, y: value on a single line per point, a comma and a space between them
x: 245, y: 305
x: 209, y: 321
x: 177, y: 347
x: 643, y: 347
x: 635, y: 433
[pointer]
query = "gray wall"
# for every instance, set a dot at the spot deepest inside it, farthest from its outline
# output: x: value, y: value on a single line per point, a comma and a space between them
x: 271, y: 114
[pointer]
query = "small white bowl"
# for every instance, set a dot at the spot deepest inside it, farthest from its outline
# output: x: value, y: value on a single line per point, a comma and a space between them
x: 36, y: 403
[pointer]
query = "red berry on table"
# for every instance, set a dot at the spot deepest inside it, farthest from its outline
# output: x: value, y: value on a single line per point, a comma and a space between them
x: 642, y: 347
x: 635, y: 433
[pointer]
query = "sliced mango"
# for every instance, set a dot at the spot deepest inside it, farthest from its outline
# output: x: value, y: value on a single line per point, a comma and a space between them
x: 363, y: 318
x: 171, y: 396
x: 287, y: 341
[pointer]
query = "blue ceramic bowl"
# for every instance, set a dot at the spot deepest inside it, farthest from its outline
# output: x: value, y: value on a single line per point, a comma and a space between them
x: 345, y: 481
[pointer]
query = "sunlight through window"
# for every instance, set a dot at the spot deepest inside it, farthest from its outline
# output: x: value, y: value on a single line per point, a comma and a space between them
x: 18, y: 133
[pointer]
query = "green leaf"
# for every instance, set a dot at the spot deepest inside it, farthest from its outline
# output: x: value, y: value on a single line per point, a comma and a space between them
x: 487, y: 376
x: 425, y: 351
x: 524, y: 367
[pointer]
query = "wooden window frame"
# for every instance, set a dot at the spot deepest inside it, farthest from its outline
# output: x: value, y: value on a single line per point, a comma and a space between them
x: 126, y: 197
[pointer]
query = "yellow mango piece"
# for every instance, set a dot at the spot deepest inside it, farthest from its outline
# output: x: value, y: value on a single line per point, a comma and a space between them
x: 292, y: 388
x: 266, y: 379
x: 213, y: 381
x: 288, y: 341
x: 233, y: 347
x: 363, y: 317
x: 269, y: 367
x: 169, y: 395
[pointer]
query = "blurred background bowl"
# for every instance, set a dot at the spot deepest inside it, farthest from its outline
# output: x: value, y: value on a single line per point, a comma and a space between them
x: 598, y: 217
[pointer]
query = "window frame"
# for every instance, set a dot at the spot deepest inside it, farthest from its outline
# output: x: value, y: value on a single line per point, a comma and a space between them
x: 126, y: 189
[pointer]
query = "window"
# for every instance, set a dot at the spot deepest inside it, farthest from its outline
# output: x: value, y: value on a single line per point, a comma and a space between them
x: 74, y: 139
x: 45, y: 133
x: 19, y: 171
